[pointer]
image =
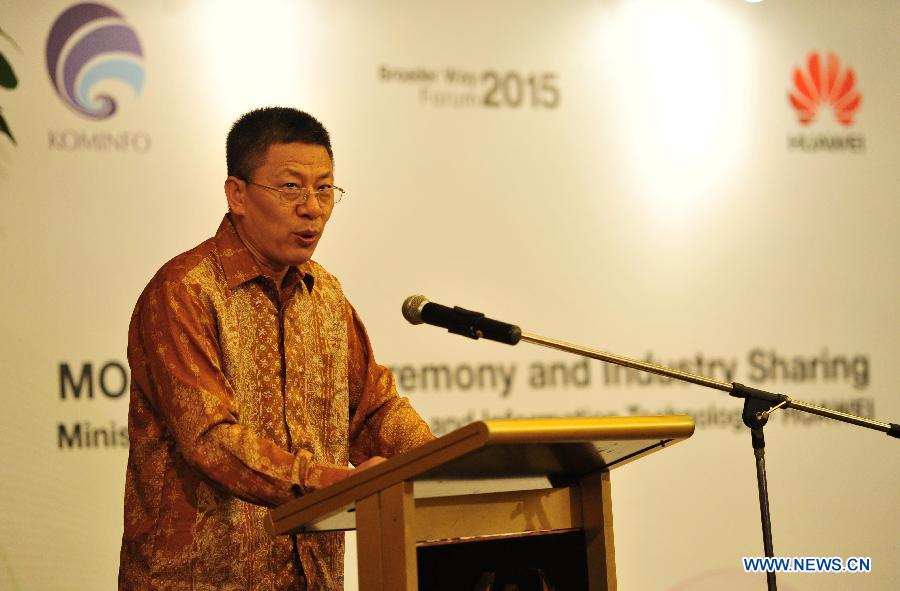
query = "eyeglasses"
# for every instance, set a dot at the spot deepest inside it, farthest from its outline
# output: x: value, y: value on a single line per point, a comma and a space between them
x: 294, y: 196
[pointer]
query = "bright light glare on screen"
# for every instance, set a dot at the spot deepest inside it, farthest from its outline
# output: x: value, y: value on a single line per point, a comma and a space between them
x: 251, y: 49
x: 679, y: 71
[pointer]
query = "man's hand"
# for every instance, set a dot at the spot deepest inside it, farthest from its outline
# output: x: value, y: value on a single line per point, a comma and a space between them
x: 373, y: 461
x: 328, y: 476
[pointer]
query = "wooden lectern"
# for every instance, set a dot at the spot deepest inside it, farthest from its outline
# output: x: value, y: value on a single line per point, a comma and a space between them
x: 491, y: 497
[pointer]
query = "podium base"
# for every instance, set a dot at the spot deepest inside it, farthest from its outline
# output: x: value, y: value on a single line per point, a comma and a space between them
x: 527, y: 562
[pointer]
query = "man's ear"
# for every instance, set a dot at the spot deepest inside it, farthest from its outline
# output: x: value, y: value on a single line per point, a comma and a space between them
x: 236, y: 193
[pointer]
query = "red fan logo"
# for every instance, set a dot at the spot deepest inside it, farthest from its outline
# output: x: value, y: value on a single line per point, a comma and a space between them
x: 819, y: 86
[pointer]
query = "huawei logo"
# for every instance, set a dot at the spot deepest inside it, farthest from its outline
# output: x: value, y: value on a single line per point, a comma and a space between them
x: 822, y: 85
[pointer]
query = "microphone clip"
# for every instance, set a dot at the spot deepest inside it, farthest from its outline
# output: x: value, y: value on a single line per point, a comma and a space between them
x: 469, y: 328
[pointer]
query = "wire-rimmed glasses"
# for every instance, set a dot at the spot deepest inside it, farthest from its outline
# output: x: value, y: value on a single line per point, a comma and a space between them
x: 294, y: 196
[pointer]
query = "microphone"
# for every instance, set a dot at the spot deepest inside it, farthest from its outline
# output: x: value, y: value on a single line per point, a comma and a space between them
x: 417, y: 309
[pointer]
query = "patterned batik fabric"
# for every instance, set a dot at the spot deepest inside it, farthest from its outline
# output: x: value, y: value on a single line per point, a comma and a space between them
x: 242, y: 398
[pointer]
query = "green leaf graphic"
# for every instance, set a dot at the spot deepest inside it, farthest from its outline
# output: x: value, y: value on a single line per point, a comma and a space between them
x: 8, y: 38
x: 7, y: 80
x: 7, y: 76
x: 4, y: 128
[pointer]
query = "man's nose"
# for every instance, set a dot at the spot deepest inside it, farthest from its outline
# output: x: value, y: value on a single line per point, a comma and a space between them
x: 311, y: 207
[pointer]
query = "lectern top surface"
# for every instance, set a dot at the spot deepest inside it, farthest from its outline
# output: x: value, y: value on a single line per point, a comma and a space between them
x: 496, y: 455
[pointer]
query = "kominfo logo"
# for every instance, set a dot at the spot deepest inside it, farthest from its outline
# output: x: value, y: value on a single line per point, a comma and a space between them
x: 826, y: 84
x: 90, y: 44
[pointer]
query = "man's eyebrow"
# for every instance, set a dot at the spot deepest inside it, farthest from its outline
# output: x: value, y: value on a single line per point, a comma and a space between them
x: 290, y: 170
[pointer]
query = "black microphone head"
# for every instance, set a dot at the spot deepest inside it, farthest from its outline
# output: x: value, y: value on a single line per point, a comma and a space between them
x: 412, y: 308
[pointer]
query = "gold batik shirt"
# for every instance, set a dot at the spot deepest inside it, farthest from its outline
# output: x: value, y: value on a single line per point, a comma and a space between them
x: 243, y: 398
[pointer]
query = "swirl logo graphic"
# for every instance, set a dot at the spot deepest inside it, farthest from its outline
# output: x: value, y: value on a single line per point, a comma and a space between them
x: 825, y: 86
x: 90, y: 44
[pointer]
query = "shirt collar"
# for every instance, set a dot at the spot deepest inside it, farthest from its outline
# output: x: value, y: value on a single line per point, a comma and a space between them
x: 239, y: 264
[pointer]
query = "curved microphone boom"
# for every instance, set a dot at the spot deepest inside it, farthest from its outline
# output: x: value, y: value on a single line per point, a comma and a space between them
x: 417, y: 310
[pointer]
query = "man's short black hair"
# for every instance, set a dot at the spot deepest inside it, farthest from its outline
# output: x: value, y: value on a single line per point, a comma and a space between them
x: 252, y: 134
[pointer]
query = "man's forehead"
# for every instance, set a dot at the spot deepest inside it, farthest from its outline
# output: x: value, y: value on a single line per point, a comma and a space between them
x: 298, y: 154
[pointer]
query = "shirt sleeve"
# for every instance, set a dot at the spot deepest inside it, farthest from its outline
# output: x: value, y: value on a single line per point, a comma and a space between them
x: 383, y: 423
x: 184, y: 382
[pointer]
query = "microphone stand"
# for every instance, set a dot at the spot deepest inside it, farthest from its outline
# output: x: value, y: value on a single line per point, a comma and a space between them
x: 758, y: 405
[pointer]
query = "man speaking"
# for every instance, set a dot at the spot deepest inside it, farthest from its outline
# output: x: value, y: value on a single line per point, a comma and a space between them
x: 253, y: 381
